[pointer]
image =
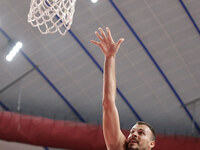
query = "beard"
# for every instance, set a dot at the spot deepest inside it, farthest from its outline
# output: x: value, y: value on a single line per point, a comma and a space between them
x: 131, y: 148
x: 134, y: 148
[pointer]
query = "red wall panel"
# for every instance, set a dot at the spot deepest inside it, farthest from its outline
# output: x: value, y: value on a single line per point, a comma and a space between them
x: 72, y: 135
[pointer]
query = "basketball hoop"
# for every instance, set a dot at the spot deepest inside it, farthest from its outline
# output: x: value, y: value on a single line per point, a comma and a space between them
x: 51, y: 16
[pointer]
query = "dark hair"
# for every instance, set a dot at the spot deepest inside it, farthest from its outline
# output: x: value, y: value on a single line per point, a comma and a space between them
x: 150, y: 127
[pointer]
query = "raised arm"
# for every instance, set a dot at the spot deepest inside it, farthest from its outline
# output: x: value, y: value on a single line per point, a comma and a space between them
x: 114, y: 138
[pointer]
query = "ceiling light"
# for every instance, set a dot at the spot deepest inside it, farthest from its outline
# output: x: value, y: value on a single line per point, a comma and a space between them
x: 14, y: 51
x: 94, y: 1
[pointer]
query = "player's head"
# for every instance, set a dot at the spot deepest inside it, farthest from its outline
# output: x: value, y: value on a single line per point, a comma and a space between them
x: 142, y: 137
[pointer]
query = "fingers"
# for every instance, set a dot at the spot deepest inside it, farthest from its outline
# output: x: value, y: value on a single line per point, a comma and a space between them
x: 106, y: 40
x: 99, y: 36
x: 102, y: 33
x: 119, y: 42
x: 109, y: 34
x: 95, y: 42
x: 98, y: 44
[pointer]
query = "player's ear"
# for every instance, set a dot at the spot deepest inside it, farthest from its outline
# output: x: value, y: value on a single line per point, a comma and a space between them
x: 152, y: 144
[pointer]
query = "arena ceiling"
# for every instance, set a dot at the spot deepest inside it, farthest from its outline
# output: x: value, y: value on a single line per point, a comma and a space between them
x: 60, y: 77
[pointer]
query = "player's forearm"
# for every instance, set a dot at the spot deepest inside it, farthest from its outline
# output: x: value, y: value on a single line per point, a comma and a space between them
x: 109, y: 87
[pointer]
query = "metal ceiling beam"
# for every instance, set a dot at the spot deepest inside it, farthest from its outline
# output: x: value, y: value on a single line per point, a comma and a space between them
x: 54, y: 87
x: 156, y: 64
x: 192, y: 102
x: 17, y: 80
x: 190, y: 16
x: 5, y: 34
x: 48, y: 81
x: 4, y: 106
x: 99, y: 67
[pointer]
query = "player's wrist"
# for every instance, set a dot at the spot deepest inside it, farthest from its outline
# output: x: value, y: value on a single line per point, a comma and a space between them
x: 109, y: 58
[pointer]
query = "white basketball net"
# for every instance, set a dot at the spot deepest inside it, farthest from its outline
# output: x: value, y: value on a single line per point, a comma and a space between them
x: 51, y: 16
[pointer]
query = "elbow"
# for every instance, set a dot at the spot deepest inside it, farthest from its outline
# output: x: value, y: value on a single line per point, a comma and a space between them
x: 108, y: 102
x: 105, y: 102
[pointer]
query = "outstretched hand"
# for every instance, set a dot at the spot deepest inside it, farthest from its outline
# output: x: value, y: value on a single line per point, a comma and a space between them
x: 107, y: 45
